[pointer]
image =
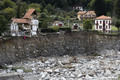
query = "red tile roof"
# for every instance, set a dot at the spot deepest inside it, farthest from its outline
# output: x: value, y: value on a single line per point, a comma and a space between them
x: 29, y: 13
x: 17, y: 20
x: 86, y: 12
x: 81, y: 12
x: 103, y: 17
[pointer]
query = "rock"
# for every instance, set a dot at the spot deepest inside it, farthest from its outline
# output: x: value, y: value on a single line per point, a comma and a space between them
x: 20, y: 70
x: 41, y: 64
x: 43, y: 74
x: 8, y: 70
x: 79, y: 75
x: 48, y: 70
x: 33, y: 69
x: 79, y: 79
x: 60, y: 63
x: 62, y: 78
x: 108, y: 72
x: 47, y: 77
x: 47, y: 62
x: 32, y: 65
x: 3, y: 72
x: 71, y: 75
x: 88, y: 77
x: 10, y: 66
x: 57, y: 70
x: 118, y: 53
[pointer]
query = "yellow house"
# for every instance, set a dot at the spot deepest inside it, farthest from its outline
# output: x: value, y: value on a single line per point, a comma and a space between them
x: 84, y: 15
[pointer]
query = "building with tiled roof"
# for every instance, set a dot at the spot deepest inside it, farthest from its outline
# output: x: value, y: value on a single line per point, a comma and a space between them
x: 103, y: 18
x: 84, y: 15
x: 27, y: 25
x: 78, y: 7
x: 103, y: 23
x: 29, y: 13
x: 17, y: 20
x: 58, y: 23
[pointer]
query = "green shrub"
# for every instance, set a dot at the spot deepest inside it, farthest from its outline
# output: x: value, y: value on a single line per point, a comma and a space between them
x: 56, y: 28
x: 47, y: 30
x: 67, y: 29
x: 87, y: 24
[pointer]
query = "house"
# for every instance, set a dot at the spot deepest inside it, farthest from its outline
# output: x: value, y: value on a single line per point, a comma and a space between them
x: 84, y: 15
x: 26, y: 26
x: 78, y: 7
x: 75, y: 26
x: 103, y: 23
x: 58, y: 23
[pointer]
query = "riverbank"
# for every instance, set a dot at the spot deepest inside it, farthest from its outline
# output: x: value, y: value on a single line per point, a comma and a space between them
x: 78, y: 67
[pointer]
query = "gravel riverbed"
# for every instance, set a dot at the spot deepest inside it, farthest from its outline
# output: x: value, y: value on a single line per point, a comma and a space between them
x: 78, y: 67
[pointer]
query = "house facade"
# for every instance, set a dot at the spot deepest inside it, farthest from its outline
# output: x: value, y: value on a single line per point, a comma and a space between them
x: 58, y: 23
x: 26, y: 26
x: 78, y: 7
x: 75, y: 26
x: 84, y: 15
x: 103, y: 23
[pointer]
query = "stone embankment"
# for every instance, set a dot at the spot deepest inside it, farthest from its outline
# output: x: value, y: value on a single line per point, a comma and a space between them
x: 79, y: 67
x: 59, y: 44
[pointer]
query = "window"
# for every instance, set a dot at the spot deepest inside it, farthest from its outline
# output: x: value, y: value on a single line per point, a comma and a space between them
x: 97, y: 27
x: 106, y: 27
x: 97, y: 22
x: 106, y: 22
x: 100, y: 22
x: 109, y: 21
x: 81, y: 15
x: 100, y: 27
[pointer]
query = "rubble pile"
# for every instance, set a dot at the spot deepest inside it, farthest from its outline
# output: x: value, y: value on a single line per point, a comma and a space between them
x: 79, y: 67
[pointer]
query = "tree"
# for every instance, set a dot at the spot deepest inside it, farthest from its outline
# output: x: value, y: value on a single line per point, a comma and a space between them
x: 87, y: 25
x: 99, y: 6
x: 9, y: 13
x: 117, y: 8
x: 50, y: 8
x: 21, y: 9
x: 1, y: 5
x: 109, y: 7
x: 117, y: 24
x: 43, y: 3
x: 85, y: 3
x: 44, y: 24
x: 8, y: 3
x: 3, y: 24
x: 36, y: 6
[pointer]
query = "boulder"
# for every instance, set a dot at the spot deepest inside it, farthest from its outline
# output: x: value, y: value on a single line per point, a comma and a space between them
x: 20, y: 70
x: 56, y: 70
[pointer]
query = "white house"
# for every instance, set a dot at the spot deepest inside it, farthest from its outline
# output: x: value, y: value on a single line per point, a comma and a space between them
x: 103, y: 23
x: 26, y: 26
x: 78, y: 7
x: 58, y: 23
x: 75, y: 26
